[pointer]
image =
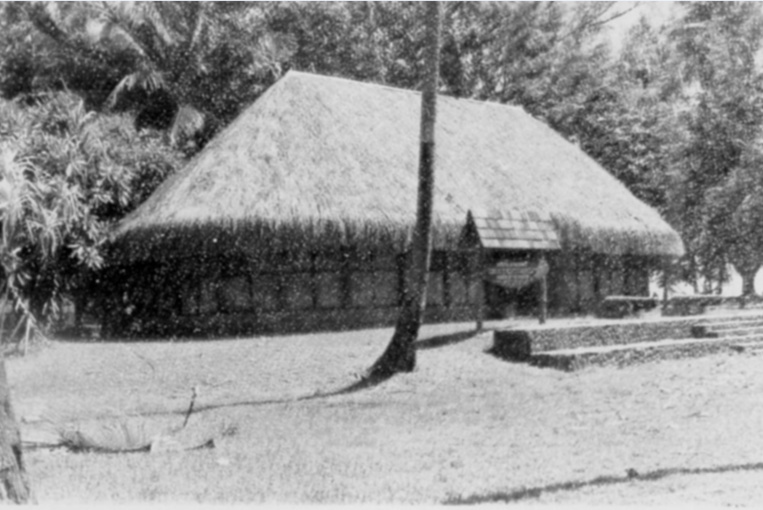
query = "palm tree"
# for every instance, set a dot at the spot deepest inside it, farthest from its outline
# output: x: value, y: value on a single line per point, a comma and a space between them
x: 400, y: 355
x: 181, y: 66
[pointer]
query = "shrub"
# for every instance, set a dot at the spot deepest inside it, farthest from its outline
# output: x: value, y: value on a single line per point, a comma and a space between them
x: 66, y: 175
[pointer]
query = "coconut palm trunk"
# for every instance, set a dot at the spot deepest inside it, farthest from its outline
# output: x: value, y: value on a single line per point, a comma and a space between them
x: 14, y: 485
x: 400, y: 355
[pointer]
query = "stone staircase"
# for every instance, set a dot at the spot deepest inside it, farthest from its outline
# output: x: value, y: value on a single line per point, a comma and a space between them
x: 703, y: 336
x: 741, y: 335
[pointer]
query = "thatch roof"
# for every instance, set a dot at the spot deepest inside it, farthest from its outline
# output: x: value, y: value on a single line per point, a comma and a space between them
x: 322, y: 158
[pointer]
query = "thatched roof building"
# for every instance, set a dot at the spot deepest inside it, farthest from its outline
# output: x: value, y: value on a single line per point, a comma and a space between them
x: 318, y: 158
x: 298, y: 215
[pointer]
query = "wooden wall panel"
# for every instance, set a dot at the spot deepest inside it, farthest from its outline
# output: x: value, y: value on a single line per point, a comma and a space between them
x: 190, y: 298
x: 361, y: 289
x: 234, y: 294
x: 586, y: 289
x: 386, y: 292
x: 329, y: 289
x: 265, y: 292
x: 435, y: 289
x: 617, y: 280
x: 297, y: 291
x: 208, y: 297
x: 372, y: 289
x: 458, y: 289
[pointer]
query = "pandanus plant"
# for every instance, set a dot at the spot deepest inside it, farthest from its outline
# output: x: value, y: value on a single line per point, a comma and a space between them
x: 66, y: 175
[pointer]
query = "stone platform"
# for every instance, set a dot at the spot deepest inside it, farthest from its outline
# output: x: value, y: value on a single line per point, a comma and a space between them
x: 623, y: 342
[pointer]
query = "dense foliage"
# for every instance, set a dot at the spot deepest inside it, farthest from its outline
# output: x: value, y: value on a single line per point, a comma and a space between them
x: 65, y: 176
x: 180, y: 66
x: 717, y: 46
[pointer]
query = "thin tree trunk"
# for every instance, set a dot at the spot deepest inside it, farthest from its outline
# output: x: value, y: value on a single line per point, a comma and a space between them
x: 748, y: 283
x: 693, y: 273
x: 14, y: 485
x: 400, y: 355
x: 665, y: 282
x: 722, y: 276
x: 707, y: 283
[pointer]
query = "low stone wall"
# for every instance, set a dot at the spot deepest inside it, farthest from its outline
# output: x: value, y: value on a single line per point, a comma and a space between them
x: 519, y: 344
x: 625, y: 357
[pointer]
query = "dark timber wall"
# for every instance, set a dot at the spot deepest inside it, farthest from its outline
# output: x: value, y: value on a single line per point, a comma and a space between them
x: 332, y: 291
x: 318, y: 292
x: 579, y: 281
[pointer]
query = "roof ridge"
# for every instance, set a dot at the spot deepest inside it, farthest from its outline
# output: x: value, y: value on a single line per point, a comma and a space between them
x: 405, y: 90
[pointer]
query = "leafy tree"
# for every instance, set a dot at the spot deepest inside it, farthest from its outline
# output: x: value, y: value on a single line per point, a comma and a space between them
x: 716, y: 44
x: 629, y: 122
x: 541, y: 56
x: 369, y: 41
x: 734, y: 215
x: 65, y: 176
x: 550, y: 59
x: 182, y: 66
x: 32, y: 62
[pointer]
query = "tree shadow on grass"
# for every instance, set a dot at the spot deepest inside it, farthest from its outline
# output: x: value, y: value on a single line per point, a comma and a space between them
x: 359, y: 385
x: 374, y: 379
x: 630, y: 476
x: 366, y: 382
x: 444, y: 340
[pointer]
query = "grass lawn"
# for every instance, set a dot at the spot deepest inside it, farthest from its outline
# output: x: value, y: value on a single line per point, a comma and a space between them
x: 464, y: 427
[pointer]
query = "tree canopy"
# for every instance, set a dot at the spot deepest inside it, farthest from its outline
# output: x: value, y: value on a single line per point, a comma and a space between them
x: 181, y: 66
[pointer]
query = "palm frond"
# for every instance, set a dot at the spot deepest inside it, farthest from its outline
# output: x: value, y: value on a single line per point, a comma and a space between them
x: 147, y: 79
x: 188, y: 122
x: 137, y: 27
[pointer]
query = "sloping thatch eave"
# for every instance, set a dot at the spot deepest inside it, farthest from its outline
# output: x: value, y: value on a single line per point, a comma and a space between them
x: 643, y: 242
x: 325, y: 160
x: 263, y: 239
x: 266, y: 239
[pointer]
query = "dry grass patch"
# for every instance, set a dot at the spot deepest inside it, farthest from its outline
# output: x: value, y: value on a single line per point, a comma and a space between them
x: 464, y: 426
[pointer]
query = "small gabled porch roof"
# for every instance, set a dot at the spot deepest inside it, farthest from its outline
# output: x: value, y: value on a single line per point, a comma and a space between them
x: 510, y: 230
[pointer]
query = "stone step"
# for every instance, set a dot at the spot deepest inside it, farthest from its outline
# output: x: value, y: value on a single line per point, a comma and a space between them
x: 752, y: 337
x: 640, y: 352
x: 725, y: 329
x: 747, y: 346
x: 741, y: 317
x: 721, y: 325
x: 738, y: 331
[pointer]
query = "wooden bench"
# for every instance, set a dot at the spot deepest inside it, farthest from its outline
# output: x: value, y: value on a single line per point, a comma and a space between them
x: 617, y: 307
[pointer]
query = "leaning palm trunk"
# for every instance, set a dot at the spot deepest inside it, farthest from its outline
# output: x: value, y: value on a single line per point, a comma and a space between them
x: 400, y: 355
x: 18, y: 324
x: 14, y: 485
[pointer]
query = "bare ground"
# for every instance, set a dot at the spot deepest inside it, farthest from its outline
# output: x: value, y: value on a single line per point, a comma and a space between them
x: 464, y: 427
